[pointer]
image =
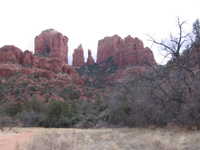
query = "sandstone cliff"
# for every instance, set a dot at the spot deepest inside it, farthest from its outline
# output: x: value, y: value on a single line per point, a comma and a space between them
x: 53, y: 44
x: 125, y: 52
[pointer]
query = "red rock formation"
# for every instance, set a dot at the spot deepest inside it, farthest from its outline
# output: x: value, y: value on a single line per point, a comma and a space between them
x: 78, y: 57
x: 51, y: 64
x: 108, y: 47
x: 68, y: 69
x: 73, y: 74
x: 27, y: 58
x: 128, y: 51
x: 7, y: 70
x: 90, y: 60
x: 10, y: 54
x: 52, y: 43
x: 13, y: 61
x: 37, y: 72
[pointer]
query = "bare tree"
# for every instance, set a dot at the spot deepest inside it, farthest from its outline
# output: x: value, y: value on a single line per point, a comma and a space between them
x: 176, y: 79
x: 165, y: 94
x: 176, y: 44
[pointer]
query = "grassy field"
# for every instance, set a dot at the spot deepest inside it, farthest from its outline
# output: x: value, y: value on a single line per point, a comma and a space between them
x: 112, y: 139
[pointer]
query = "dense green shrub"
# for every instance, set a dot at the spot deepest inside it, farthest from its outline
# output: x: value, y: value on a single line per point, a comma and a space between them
x: 59, y: 114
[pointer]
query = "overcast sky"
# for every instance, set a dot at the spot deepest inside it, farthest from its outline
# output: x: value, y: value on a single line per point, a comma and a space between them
x: 87, y: 21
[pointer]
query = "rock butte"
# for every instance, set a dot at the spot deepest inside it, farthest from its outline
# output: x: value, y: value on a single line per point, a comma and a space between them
x: 52, y: 43
x: 51, y: 52
x: 128, y: 51
x: 48, y: 66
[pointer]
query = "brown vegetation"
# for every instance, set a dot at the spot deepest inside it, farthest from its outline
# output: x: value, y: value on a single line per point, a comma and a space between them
x: 113, y: 139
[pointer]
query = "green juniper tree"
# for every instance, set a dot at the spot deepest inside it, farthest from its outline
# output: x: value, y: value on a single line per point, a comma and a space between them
x: 196, y: 32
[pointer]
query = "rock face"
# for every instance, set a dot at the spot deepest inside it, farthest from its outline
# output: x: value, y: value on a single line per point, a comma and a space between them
x: 107, y: 47
x: 10, y: 54
x: 28, y: 58
x: 13, y: 61
x: 90, y: 59
x: 45, y: 73
x: 128, y: 51
x: 78, y: 57
x: 51, y: 64
x: 7, y: 70
x: 52, y: 43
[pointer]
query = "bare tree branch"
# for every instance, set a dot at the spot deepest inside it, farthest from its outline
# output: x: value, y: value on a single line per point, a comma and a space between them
x: 175, y: 45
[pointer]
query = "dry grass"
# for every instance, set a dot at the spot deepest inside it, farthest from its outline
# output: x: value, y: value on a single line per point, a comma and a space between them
x: 114, y: 139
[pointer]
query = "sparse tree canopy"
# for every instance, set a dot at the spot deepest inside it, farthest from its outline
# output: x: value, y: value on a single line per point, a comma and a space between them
x: 176, y: 43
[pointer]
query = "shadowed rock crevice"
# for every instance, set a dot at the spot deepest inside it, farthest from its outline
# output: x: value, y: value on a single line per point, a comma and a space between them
x: 90, y: 59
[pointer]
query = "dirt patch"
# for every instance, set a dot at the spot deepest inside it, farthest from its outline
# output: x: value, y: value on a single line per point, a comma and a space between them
x: 10, y: 140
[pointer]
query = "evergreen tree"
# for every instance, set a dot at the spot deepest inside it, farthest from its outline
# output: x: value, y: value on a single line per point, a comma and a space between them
x: 196, y: 31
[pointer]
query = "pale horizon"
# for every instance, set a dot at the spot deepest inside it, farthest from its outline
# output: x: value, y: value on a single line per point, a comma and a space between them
x: 86, y: 22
